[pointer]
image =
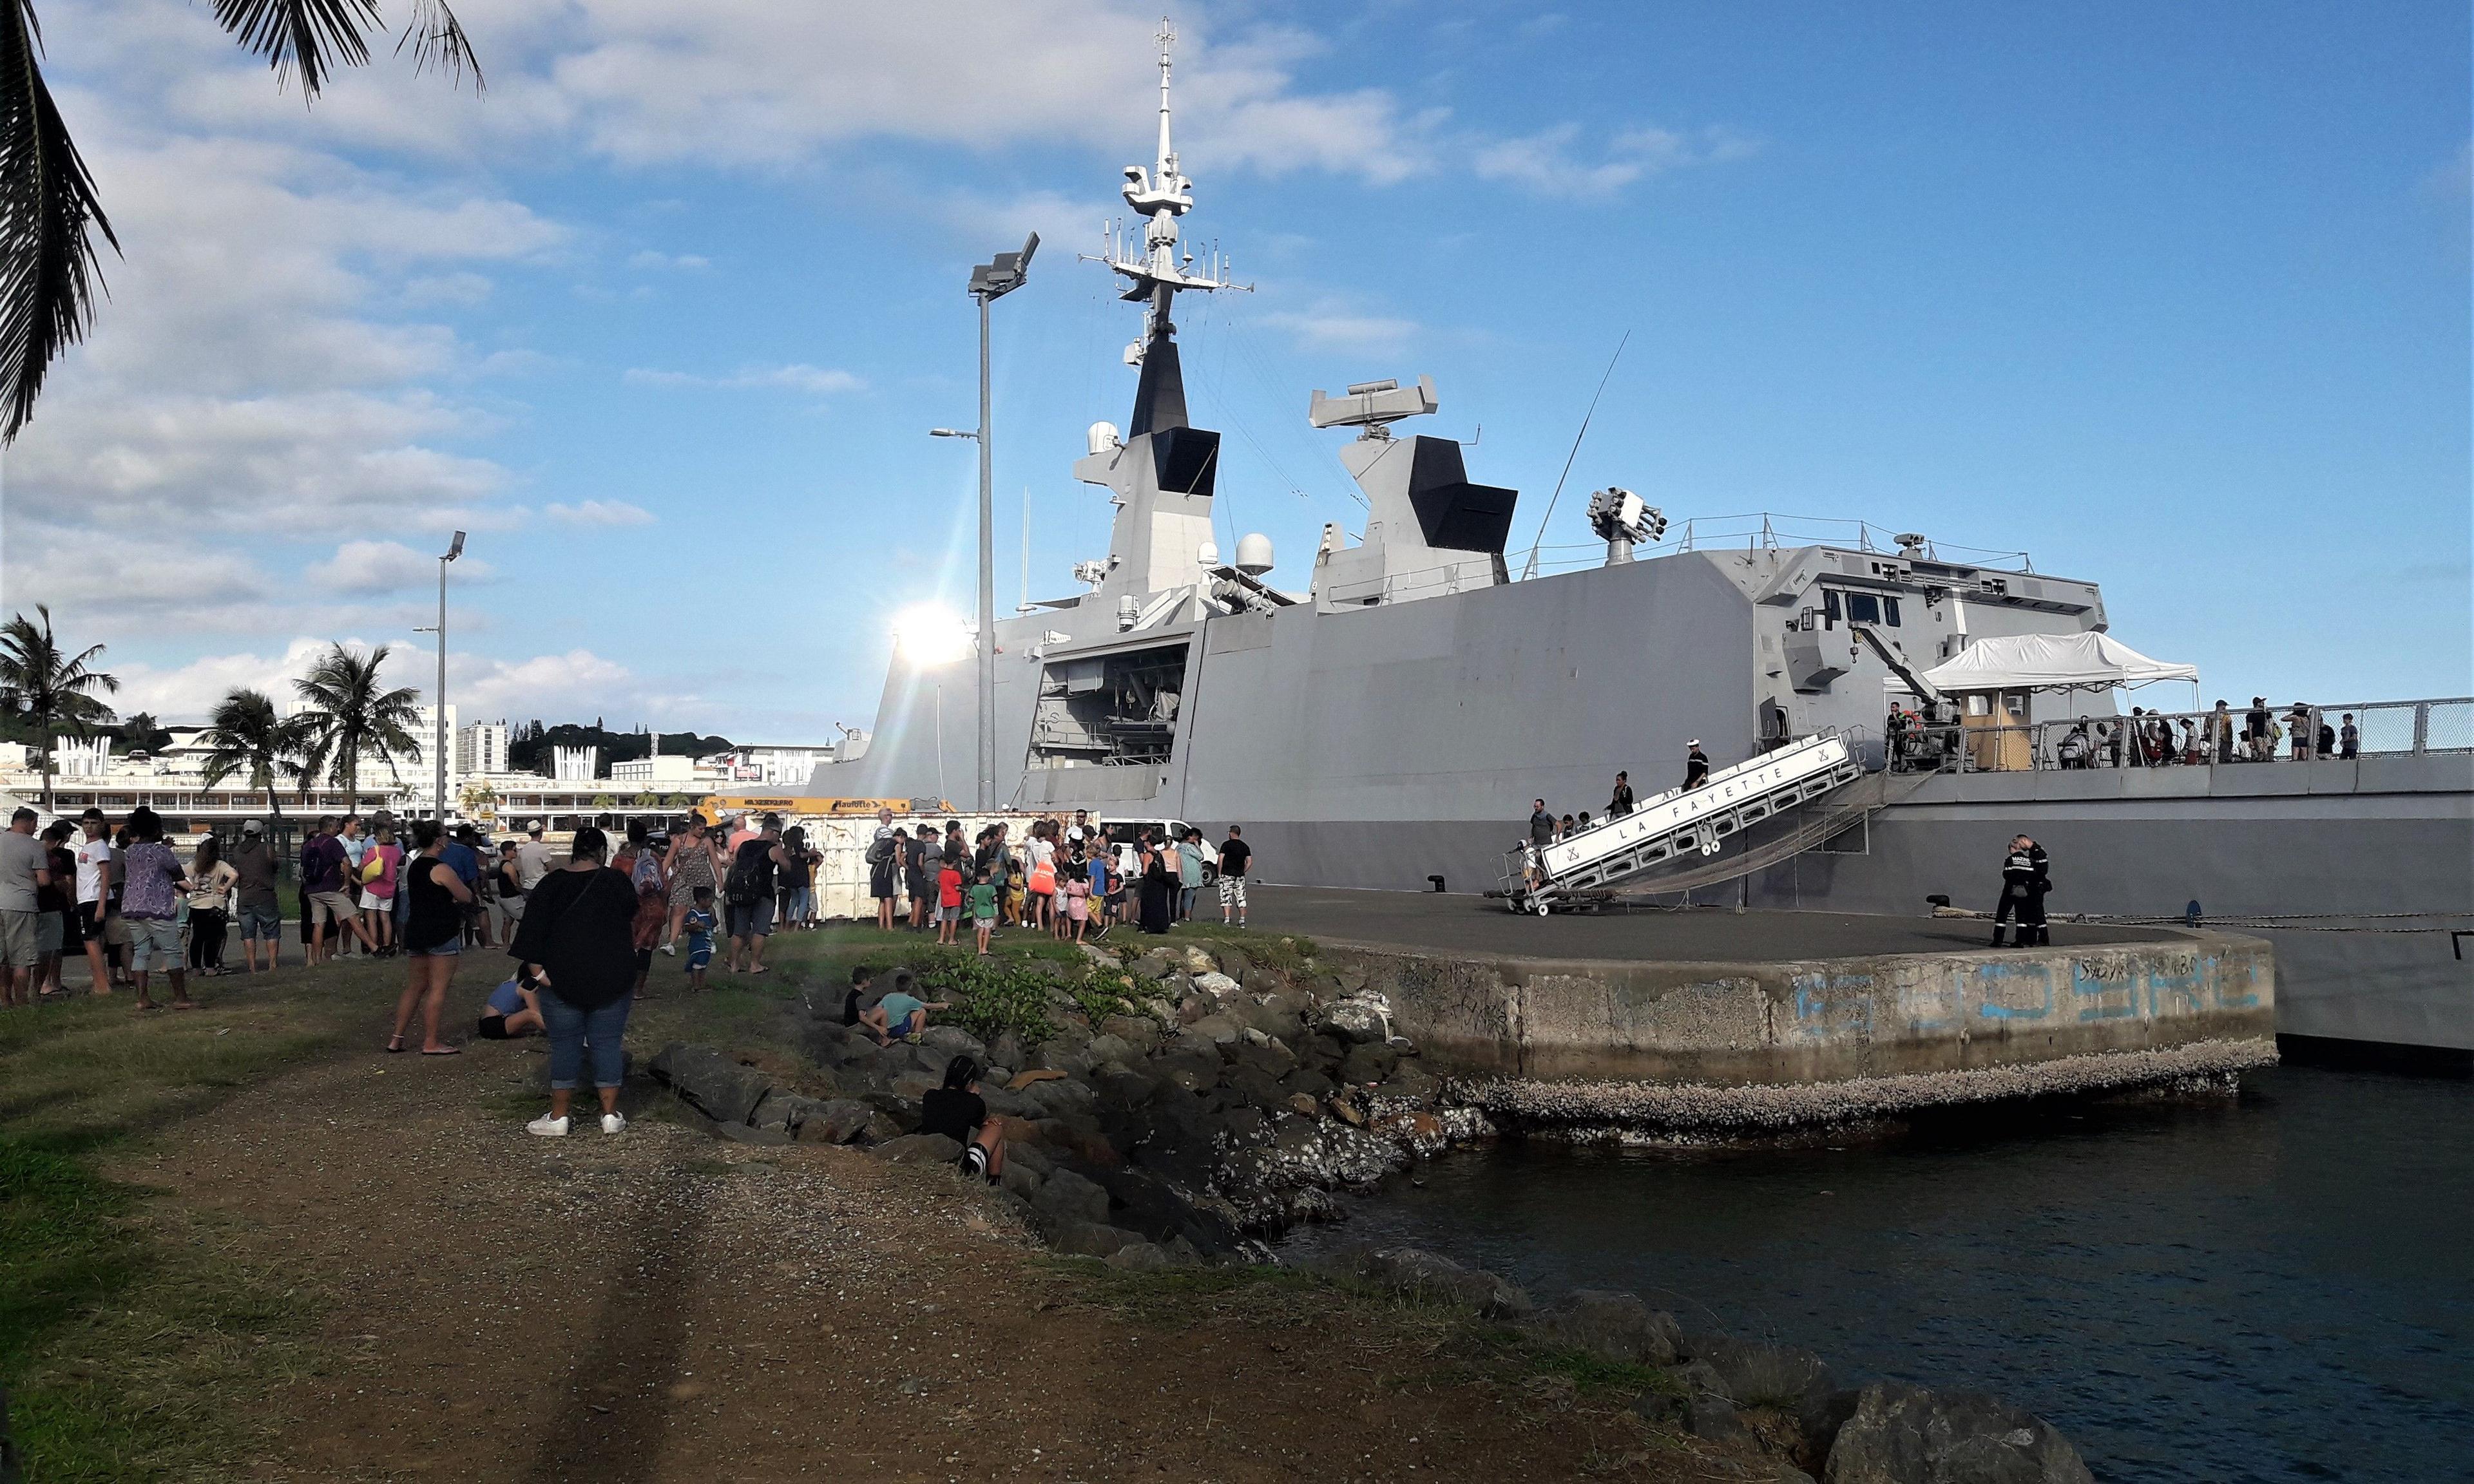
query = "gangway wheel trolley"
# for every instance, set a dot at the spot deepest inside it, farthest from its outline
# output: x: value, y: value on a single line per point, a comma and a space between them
x: 1577, y: 870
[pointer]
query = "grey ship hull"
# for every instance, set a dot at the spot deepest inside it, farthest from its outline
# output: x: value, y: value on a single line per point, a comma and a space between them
x: 1378, y: 747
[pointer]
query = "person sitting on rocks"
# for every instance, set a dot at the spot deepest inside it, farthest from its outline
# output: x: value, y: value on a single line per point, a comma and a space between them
x: 855, y: 1000
x: 901, y: 1014
x: 514, y: 1010
x: 957, y: 1111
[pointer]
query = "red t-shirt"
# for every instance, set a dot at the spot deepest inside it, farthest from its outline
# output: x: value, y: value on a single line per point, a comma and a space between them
x: 949, y: 888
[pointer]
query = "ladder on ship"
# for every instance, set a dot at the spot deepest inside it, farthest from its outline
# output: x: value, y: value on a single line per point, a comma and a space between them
x: 1582, y: 867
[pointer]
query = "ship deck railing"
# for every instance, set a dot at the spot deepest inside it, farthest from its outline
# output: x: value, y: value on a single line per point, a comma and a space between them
x: 2383, y: 728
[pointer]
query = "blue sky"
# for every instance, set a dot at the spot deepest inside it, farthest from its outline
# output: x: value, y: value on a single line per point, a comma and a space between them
x: 2176, y: 298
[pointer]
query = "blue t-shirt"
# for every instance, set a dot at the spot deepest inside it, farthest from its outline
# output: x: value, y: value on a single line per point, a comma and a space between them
x: 700, y: 924
x: 898, y: 1007
x: 461, y: 860
x: 1098, y: 875
x: 506, y: 1000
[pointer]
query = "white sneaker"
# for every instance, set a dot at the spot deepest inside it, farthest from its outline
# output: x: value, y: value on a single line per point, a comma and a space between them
x: 547, y: 1127
x: 614, y: 1124
x: 672, y: 949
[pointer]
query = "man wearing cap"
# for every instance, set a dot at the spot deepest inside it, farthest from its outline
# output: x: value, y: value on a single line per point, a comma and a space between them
x: 532, y: 858
x: 260, y: 915
x: 1696, y: 765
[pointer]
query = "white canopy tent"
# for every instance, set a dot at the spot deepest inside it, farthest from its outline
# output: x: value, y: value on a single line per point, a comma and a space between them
x: 2053, y: 661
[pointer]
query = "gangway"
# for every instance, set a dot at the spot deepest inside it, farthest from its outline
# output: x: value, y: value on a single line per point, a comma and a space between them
x: 1678, y: 823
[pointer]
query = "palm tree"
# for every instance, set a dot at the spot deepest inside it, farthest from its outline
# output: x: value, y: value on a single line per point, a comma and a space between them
x: 53, y: 691
x: 49, y: 207
x: 245, y: 733
x: 352, y: 715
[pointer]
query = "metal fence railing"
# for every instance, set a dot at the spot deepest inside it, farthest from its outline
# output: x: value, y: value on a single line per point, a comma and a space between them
x: 2159, y: 739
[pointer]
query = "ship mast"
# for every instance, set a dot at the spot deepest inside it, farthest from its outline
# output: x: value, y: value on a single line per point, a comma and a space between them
x: 1160, y: 194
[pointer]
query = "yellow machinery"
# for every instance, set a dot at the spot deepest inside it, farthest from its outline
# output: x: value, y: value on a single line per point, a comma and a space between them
x: 717, y: 806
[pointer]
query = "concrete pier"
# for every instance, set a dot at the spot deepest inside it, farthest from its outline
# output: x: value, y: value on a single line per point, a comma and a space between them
x: 1778, y: 998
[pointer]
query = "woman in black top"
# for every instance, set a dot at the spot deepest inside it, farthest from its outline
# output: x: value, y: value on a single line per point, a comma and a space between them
x: 578, y: 935
x: 1159, y: 885
x: 957, y: 1111
x: 433, y: 935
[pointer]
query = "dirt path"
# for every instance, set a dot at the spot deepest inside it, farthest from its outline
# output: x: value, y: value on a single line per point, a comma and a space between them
x: 665, y: 1306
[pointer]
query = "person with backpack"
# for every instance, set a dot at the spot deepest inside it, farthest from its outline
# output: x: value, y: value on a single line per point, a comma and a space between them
x: 749, y: 894
x: 883, y: 868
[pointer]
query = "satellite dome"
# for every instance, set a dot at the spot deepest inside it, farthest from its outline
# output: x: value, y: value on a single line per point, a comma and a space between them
x: 1103, y: 436
x: 1253, y: 554
x: 1209, y: 555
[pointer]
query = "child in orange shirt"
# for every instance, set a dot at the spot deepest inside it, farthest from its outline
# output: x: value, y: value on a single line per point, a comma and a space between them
x: 949, y: 901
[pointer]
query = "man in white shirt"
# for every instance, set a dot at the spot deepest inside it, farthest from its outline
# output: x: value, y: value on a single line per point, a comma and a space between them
x: 532, y: 858
x: 94, y: 894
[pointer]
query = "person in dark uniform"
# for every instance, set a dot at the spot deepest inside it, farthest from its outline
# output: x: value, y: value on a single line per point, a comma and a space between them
x: 1696, y: 765
x: 2024, y: 885
x: 1621, y: 802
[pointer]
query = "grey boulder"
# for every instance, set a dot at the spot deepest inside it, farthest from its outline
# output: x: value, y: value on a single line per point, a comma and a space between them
x: 1908, y: 1435
x: 711, y: 1083
x: 920, y: 1149
x: 1067, y: 1197
x: 837, y: 1122
x: 1610, y: 1326
x: 1434, y: 1279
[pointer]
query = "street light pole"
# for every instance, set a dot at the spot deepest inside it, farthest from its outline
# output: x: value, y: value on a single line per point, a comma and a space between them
x: 438, y: 712
x: 990, y: 281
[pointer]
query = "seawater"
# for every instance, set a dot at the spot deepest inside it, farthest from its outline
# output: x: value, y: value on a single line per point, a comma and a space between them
x: 2273, y: 1285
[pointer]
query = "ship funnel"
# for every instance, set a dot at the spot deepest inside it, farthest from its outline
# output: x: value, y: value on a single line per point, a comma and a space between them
x: 1253, y: 554
x: 1104, y: 438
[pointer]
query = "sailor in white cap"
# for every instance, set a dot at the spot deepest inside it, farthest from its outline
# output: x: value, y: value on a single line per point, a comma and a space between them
x: 1696, y: 765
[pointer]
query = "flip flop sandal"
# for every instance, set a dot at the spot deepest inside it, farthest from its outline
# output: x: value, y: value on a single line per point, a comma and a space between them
x: 443, y: 1051
x: 395, y: 1046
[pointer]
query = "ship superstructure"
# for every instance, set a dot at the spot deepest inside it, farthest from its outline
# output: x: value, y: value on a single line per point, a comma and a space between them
x: 1394, y: 722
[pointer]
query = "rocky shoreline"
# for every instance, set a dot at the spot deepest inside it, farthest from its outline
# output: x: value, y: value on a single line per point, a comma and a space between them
x: 1177, y: 1107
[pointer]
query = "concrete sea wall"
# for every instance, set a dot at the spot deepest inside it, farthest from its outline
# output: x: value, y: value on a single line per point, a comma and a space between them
x: 1821, y: 1020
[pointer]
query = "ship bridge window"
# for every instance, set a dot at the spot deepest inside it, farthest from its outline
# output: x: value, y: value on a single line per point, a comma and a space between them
x: 1862, y: 607
x: 1829, y: 607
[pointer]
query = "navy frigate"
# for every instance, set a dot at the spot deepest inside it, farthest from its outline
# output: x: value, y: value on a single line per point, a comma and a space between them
x: 1389, y: 726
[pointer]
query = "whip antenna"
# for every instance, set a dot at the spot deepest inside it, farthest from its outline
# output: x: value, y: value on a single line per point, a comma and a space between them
x: 1529, y: 570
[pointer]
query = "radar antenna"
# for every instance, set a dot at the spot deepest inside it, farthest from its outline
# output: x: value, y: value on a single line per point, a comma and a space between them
x: 1160, y: 196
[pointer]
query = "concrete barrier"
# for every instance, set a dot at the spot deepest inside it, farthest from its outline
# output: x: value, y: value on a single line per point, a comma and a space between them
x: 1794, y: 1022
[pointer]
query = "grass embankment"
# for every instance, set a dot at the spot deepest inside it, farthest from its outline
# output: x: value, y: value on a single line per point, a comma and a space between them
x: 130, y: 1331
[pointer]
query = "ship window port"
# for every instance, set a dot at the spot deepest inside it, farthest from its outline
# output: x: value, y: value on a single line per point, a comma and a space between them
x: 1862, y: 607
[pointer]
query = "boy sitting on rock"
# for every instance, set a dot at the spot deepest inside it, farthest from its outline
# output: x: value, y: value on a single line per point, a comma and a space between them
x: 957, y: 1111
x: 901, y: 1014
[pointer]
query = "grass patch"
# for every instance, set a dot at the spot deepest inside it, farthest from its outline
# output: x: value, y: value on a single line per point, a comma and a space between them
x: 1283, y: 953
x: 129, y: 1336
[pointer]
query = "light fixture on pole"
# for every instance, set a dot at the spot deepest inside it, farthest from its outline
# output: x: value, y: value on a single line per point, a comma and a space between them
x: 454, y: 549
x: 990, y: 281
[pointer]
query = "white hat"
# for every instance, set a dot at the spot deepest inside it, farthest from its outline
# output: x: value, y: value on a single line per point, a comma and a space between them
x: 532, y: 826
x: 251, y: 828
x: 1695, y: 742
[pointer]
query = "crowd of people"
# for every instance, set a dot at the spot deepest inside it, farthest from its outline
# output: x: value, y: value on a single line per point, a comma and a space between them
x: 2301, y: 732
x: 1071, y: 879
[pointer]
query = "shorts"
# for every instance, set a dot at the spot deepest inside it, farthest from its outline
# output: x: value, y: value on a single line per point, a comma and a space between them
x: 18, y: 940
x: 50, y: 932
x: 700, y: 952
x: 1233, y: 891
x: 948, y: 913
x: 256, y: 922
x: 752, y: 918
x: 72, y: 932
x: 372, y: 901
x: 447, y: 949
x: 491, y: 1027
x: 880, y: 882
x: 115, y: 931
x: 151, y: 939
x: 984, y: 923
x: 330, y: 906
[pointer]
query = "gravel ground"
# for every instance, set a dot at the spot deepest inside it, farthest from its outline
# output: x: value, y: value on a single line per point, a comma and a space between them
x: 663, y: 1307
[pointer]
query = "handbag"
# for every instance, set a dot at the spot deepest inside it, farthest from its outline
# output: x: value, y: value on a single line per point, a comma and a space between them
x: 1043, y: 878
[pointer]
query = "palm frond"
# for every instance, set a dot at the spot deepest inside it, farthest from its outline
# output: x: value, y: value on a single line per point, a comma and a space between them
x: 49, y: 268
x: 438, y: 40
x: 306, y: 38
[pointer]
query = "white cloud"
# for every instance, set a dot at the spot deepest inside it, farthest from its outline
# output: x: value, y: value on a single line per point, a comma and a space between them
x: 1549, y: 162
x: 579, y: 684
x: 600, y: 513
x: 1333, y: 324
x: 816, y: 380
x: 685, y: 261
x: 373, y: 568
